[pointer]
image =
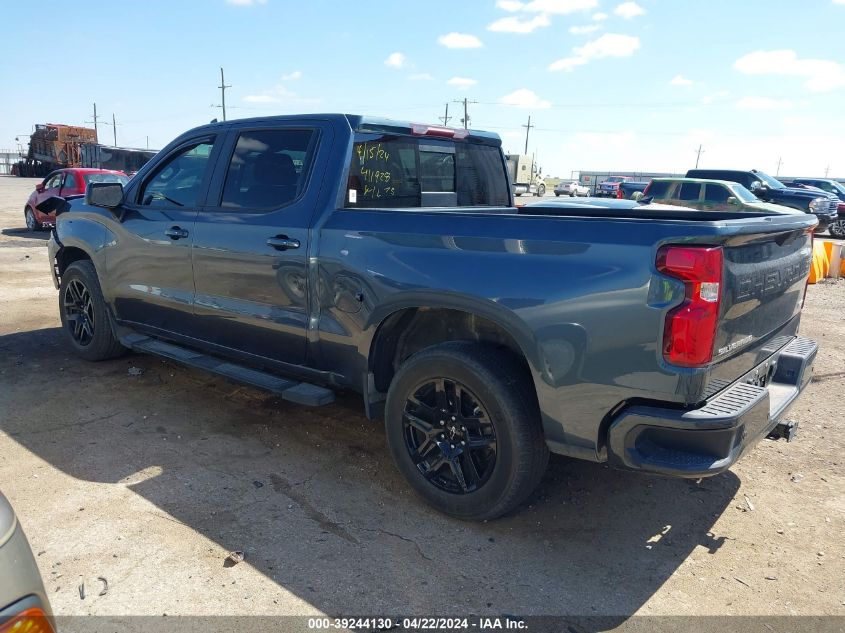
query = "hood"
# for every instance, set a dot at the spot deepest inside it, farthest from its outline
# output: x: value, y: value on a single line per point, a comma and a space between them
x: 802, y: 194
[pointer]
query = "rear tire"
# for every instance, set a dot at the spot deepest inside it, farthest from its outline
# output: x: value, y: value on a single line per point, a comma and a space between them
x: 32, y: 222
x: 488, y: 403
x: 837, y: 229
x: 84, y: 314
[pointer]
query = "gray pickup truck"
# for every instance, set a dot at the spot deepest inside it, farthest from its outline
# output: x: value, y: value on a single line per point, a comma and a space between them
x: 306, y: 254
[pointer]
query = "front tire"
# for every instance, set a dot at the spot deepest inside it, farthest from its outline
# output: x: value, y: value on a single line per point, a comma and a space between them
x: 463, y: 427
x: 32, y: 222
x: 837, y: 229
x: 84, y: 314
x: 541, y: 191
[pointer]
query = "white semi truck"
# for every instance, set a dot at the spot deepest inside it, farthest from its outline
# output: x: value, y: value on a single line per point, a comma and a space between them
x: 525, y: 176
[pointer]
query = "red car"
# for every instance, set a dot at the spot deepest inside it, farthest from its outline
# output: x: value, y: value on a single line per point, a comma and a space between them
x: 62, y: 183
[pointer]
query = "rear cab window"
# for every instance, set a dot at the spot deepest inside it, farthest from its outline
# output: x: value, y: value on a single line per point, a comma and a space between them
x: 397, y: 171
x: 659, y: 189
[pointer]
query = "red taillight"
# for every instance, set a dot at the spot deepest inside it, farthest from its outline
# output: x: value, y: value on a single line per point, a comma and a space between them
x: 690, y: 329
x: 619, y: 193
x: 645, y: 191
x: 28, y: 621
x: 420, y: 129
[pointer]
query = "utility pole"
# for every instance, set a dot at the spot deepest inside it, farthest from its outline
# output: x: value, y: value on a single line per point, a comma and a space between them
x: 527, y: 130
x: 148, y: 142
x: 223, y: 87
x: 826, y: 171
x: 698, y: 155
x: 114, y: 128
x: 445, y: 118
x: 780, y: 162
x: 96, y: 129
x: 465, y: 120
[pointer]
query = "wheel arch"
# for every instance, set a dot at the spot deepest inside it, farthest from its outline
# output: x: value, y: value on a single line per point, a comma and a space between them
x: 411, y: 327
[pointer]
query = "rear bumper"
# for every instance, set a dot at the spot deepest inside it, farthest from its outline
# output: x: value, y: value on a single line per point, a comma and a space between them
x: 709, y: 440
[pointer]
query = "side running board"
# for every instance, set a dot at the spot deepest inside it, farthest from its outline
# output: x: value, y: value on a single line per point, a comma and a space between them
x: 291, y: 390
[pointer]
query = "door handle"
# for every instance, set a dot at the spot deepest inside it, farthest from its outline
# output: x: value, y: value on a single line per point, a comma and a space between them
x: 283, y: 242
x: 175, y: 233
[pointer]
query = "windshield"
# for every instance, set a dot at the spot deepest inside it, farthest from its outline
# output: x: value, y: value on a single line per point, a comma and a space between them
x: 838, y: 187
x: 89, y: 178
x: 772, y: 182
x: 743, y: 194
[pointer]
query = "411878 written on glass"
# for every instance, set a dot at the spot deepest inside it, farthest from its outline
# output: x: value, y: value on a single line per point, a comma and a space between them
x: 374, y: 161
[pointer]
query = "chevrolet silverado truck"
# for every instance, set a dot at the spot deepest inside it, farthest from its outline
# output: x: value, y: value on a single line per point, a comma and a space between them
x: 313, y: 253
x: 819, y: 203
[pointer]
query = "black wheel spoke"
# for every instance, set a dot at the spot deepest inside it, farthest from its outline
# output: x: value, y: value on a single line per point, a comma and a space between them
x: 418, y: 423
x: 476, y: 443
x: 470, y: 470
x: 458, y: 473
x: 434, y: 467
x: 449, y: 436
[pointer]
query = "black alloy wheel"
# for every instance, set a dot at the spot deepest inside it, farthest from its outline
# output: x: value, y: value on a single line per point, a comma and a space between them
x: 79, y: 312
x: 449, y: 436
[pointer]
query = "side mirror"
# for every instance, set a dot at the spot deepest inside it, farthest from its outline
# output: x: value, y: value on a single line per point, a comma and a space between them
x: 104, y: 194
x: 40, y: 187
x: 732, y: 201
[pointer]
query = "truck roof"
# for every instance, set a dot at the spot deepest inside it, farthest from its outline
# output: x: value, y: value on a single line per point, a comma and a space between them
x: 355, y: 122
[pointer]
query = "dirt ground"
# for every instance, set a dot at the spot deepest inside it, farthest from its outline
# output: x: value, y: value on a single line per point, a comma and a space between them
x: 150, y: 480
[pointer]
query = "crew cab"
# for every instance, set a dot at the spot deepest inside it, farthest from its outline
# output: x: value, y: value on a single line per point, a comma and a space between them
x: 65, y: 182
x: 710, y: 195
x: 819, y: 203
x: 306, y: 254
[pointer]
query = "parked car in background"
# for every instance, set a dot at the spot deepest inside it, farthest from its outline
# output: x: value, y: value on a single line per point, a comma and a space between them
x: 24, y: 606
x: 821, y: 204
x: 834, y: 187
x: 572, y: 189
x: 64, y: 182
x: 630, y: 189
x: 710, y: 195
x: 610, y: 186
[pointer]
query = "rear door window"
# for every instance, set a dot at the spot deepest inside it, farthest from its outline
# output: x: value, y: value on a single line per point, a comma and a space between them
x: 391, y: 171
x: 690, y: 191
x: 659, y: 190
x: 268, y: 168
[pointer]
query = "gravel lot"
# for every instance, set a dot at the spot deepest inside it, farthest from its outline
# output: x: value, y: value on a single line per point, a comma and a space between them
x: 149, y: 480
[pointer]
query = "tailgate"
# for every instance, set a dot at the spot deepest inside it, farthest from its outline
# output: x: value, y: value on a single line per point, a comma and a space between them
x: 765, y: 278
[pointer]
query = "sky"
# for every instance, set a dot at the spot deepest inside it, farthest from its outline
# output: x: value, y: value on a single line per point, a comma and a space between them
x: 609, y: 85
